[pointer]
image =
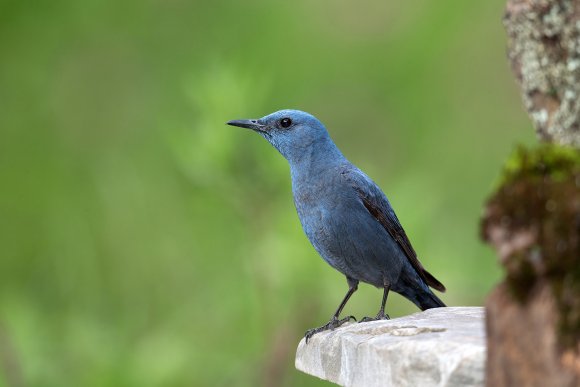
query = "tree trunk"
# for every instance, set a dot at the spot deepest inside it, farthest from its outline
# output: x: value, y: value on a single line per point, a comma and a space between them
x: 544, y: 51
x: 533, y: 316
x: 533, y: 220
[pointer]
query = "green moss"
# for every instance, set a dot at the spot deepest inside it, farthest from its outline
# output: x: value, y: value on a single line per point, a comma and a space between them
x: 547, y: 160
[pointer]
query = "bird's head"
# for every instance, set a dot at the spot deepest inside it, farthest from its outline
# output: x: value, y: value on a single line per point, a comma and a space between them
x: 293, y: 132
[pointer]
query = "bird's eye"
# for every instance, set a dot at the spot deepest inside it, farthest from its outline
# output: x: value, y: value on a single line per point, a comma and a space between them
x: 285, y: 122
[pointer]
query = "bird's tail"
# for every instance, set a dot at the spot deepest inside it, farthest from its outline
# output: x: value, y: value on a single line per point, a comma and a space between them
x: 415, y: 290
x: 427, y: 300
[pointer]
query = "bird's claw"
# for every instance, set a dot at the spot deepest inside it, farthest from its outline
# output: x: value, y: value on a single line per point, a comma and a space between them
x: 380, y: 316
x: 331, y: 325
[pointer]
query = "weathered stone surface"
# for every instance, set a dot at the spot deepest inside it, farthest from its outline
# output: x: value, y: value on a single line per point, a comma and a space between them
x: 438, y: 347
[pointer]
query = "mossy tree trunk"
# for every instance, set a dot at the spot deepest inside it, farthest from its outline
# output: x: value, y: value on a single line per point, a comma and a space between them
x: 533, y: 220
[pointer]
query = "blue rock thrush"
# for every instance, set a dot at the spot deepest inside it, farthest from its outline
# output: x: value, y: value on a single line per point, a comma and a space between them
x: 345, y: 215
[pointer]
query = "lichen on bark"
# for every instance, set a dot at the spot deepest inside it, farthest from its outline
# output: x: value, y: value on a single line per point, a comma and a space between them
x: 544, y: 51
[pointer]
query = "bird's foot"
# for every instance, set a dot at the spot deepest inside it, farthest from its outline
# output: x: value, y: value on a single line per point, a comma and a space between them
x: 331, y: 325
x: 381, y: 316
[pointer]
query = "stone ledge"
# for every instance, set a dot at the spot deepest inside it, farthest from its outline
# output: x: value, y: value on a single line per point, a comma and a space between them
x: 438, y: 347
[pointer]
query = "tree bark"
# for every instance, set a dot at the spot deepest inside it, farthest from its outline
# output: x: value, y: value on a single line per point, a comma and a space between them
x: 533, y: 220
x: 533, y: 316
x: 544, y: 51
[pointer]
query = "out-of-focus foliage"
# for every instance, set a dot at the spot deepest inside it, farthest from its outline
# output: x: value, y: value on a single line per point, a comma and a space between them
x: 145, y: 243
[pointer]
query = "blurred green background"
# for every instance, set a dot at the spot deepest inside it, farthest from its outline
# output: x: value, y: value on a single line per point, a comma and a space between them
x: 146, y: 243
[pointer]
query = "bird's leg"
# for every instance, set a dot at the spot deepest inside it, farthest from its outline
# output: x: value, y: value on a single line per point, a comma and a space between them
x: 334, y: 321
x: 381, y: 315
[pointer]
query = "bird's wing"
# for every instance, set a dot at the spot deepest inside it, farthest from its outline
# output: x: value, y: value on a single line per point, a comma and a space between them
x: 379, y: 207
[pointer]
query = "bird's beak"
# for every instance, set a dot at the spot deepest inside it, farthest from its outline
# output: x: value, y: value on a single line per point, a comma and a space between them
x: 250, y: 124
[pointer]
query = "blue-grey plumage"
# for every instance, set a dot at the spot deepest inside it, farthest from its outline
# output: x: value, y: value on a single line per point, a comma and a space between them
x: 345, y: 215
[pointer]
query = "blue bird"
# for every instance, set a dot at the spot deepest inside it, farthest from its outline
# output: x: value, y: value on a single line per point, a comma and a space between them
x: 345, y: 215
